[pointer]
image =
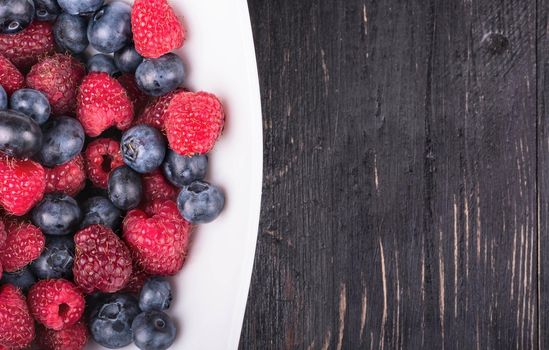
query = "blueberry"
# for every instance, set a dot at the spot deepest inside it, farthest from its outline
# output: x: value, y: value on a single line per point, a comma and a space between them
x: 109, y: 29
x: 20, y: 136
x: 200, y: 202
x: 158, y: 76
x: 143, y: 148
x: 47, y: 10
x: 127, y: 59
x: 63, y: 140
x: 56, y: 260
x: 3, y: 98
x: 70, y: 33
x: 100, y: 210
x: 110, y: 321
x: 32, y: 103
x: 183, y: 170
x: 156, y: 294
x: 15, y: 15
x: 23, y: 279
x: 102, y: 63
x: 153, y: 330
x: 125, y: 189
x: 80, y: 7
x: 57, y: 214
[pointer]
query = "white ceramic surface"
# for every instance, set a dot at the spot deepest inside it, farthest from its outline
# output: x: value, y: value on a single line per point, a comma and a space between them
x: 211, y: 291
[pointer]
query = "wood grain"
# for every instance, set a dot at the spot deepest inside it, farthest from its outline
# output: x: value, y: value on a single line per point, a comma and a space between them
x: 400, y: 203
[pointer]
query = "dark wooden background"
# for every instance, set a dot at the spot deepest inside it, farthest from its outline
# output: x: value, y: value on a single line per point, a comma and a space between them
x: 406, y: 189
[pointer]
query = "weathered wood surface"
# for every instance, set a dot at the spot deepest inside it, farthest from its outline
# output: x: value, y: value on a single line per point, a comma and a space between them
x: 406, y: 183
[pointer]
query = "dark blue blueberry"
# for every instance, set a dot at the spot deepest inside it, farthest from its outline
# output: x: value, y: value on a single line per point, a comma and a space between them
x: 125, y: 188
x: 47, y: 10
x: 3, y: 98
x: 109, y: 29
x: 156, y: 294
x: 20, y: 136
x: 57, y: 214
x: 182, y: 170
x: 127, y: 59
x: 63, y: 140
x: 80, y: 7
x: 110, y: 321
x: 143, y: 148
x: 56, y: 260
x: 102, y: 63
x: 32, y: 103
x: 100, y: 210
x: 23, y: 279
x: 153, y: 330
x: 200, y: 202
x: 158, y: 76
x: 70, y: 33
x: 15, y: 15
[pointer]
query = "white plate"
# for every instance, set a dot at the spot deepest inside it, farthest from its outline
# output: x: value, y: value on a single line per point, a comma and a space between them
x: 211, y: 291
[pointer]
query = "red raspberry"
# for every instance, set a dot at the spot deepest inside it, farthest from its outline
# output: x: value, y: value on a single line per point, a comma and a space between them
x: 154, y: 113
x: 103, y: 262
x: 22, y: 184
x: 56, y: 303
x: 26, y: 47
x: 24, y: 243
x: 155, y: 186
x: 156, y: 28
x: 58, y: 77
x: 16, y: 323
x: 102, y: 156
x: 3, y: 235
x: 10, y: 77
x: 74, y: 337
x: 158, y: 241
x: 101, y: 103
x: 69, y: 178
x: 194, y: 122
x: 139, y: 98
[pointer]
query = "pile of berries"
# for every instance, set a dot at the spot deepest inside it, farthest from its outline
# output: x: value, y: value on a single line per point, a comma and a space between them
x: 102, y: 167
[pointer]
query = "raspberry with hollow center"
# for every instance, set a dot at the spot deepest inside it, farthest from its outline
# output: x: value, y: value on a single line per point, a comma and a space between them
x: 56, y: 303
x: 102, y: 156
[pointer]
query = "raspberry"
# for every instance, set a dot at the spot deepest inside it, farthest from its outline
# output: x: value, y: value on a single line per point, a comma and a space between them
x: 24, y: 243
x: 154, y: 113
x: 139, y: 98
x: 58, y: 77
x: 3, y: 235
x: 158, y: 241
x: 56, y: 303
x: 102, y: 156
x: 10, y: 77
x: 102, y: 260
x: 74, y: 337
x: 155, y: 186
x: 156, y: 28
x: 16, y: 323
x: 69, y: 178
x: 101, y: 103
x: 22, y: 184
x: 26, y: 47
x: 194, y: 122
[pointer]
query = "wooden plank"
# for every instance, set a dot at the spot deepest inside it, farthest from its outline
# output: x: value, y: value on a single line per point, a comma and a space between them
x: 543, y: 170
x: 399, y: 197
